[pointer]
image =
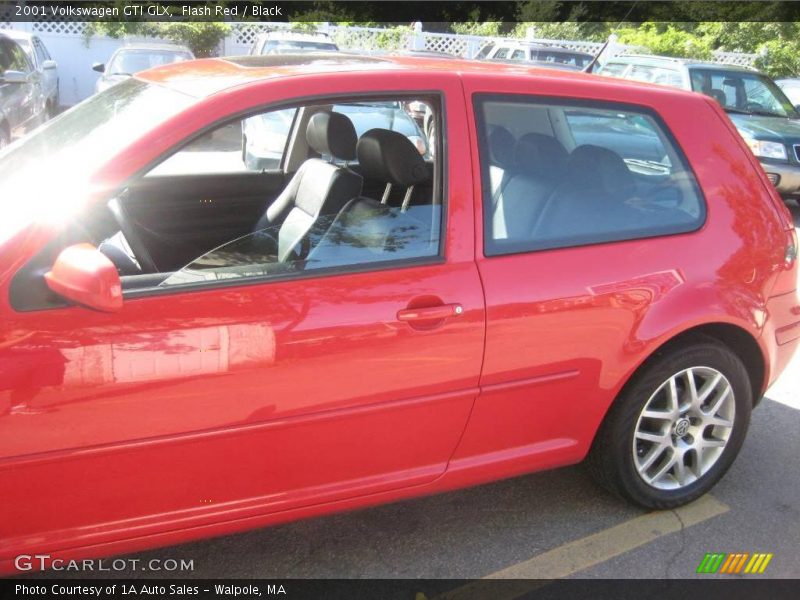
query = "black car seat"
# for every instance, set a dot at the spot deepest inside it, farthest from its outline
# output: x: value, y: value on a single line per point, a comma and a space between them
x: 366, y: 230
x: 319, y: 187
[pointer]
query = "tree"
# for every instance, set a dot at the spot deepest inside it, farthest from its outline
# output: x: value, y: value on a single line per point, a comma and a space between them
x: 202, y: 37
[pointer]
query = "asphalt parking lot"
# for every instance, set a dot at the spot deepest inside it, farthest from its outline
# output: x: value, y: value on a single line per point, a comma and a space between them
x: 549, y: 524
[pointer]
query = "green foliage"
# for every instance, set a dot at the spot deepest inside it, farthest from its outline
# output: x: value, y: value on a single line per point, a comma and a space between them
x: 779, y: 59
x: 487, y: 28
x: 666, y: 39
x: 202, y: 37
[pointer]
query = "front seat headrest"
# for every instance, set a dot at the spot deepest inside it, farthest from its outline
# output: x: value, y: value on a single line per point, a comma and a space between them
x: 501, y: 144
x: 390, y: 156
x: 332, y: 134
x: 595, y: 167
x: 541, y: 155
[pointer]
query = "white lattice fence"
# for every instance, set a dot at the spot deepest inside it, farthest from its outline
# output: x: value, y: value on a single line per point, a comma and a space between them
x: 735, y: 58
x: 57, y: 27
x: 458, y: 45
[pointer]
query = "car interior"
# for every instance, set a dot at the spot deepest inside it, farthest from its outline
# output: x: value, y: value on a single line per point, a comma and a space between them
x: 562, y: 176
x: 336, y: 199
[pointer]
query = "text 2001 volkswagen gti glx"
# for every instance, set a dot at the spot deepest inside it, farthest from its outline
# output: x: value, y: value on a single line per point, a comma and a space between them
x: 570, y: 267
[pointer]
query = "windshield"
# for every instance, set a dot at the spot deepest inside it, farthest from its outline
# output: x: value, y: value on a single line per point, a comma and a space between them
x: 128, y: 62
x: 61, y: 155
x: 745, y: 92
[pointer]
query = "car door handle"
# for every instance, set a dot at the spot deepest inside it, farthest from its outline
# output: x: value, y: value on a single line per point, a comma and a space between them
x: 430, y: 313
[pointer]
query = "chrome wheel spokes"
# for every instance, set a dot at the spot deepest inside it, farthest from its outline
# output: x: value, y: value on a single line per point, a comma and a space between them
x: 683, y: 428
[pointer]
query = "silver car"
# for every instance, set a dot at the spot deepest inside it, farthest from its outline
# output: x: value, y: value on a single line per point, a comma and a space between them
x: 44, y: 64
x: 22, y: 103
x: 131, y: 59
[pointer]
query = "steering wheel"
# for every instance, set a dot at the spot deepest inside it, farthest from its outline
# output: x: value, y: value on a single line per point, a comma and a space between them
x: 138, y: 248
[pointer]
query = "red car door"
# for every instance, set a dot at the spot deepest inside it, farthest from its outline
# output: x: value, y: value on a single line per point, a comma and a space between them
x: 192, y: 408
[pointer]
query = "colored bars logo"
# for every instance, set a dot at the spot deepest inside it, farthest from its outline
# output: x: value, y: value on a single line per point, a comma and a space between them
x: 742, y: 562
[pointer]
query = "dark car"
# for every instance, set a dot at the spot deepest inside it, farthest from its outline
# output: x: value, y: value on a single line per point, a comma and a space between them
x: 791, y: 87
x: 760, y: 110
x: 22, y: 101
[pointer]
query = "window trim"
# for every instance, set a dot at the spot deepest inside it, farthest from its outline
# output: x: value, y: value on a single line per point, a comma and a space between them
x: 478, y: 100
x: 441, y: 162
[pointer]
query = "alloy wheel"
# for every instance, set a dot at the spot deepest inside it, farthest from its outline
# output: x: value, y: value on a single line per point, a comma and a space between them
x: 683, y: 428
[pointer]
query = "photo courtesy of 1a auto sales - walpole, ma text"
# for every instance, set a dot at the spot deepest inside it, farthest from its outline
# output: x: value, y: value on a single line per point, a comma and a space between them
x: 351, y: 299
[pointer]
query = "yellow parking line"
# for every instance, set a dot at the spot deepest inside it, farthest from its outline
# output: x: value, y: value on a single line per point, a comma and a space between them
x: 587, y: 552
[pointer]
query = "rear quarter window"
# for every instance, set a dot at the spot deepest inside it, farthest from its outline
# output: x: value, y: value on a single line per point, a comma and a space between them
x: 580, y: 173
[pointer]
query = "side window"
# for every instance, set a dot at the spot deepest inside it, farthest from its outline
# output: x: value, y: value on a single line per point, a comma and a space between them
x: 39, y: 51
x: 19, y: 62
x: 501, y: 53
x: 613, y: 69
x: 253, y: 144
x: 641, y: 73
x: 5, y: 56
x: 518, y: 55
x: 668, y: 77
x: 600, y: 174
x: 484, y: 52
x: 328, y: 212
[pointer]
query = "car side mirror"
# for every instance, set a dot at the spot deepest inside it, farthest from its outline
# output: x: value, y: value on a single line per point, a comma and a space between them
x: 49, y: 65
x: 86, y: 276
x: 11, y: 76
x: 99, y: 67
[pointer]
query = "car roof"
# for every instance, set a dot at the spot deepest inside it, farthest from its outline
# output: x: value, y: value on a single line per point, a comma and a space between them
x: 295, y: 36
x: 154, y: 46
x: 15, y: 34
x: 537, y: 46
x: 656, y: 61
x: 209, y: 76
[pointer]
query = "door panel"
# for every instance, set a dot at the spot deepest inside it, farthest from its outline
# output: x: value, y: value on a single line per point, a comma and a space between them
x: 276, y: 394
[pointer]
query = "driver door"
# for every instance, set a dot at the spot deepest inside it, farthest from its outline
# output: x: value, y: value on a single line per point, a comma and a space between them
x: 248, y: 397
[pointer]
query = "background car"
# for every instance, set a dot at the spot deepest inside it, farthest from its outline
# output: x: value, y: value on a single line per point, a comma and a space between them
x: 42, y: 61
x: 759, y: 109
x: 131, y: 59
x: 288, y: 42
x: 791, y: 87
x: 521, y: 51
x: 22, y: 101
x: 265, y: 136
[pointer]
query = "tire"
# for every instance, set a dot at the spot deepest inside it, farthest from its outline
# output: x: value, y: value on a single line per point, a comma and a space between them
x: 659, y: 449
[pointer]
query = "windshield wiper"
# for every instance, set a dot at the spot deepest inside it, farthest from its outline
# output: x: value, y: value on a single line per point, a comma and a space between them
x: 761, y: 113
x: 768, y: 113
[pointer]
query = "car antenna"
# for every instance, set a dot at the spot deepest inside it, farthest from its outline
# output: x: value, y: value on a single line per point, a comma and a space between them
x: 590, y: 67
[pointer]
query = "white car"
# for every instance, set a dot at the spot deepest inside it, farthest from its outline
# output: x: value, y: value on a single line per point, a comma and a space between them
x: 290, y: 42
x: 43, y: 63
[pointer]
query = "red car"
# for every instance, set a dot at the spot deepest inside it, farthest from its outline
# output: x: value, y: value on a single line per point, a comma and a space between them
x: 581, y: 267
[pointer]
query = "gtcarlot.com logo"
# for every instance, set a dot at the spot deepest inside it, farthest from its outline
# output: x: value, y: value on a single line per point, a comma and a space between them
x: 741, y: 562
x: 33, y: 562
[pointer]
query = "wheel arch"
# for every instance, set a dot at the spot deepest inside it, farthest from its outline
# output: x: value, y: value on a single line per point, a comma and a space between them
x: 736, y: 338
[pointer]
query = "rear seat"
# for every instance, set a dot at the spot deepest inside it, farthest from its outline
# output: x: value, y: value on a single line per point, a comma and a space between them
x: 591, y: 199
x: 539, y: 165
